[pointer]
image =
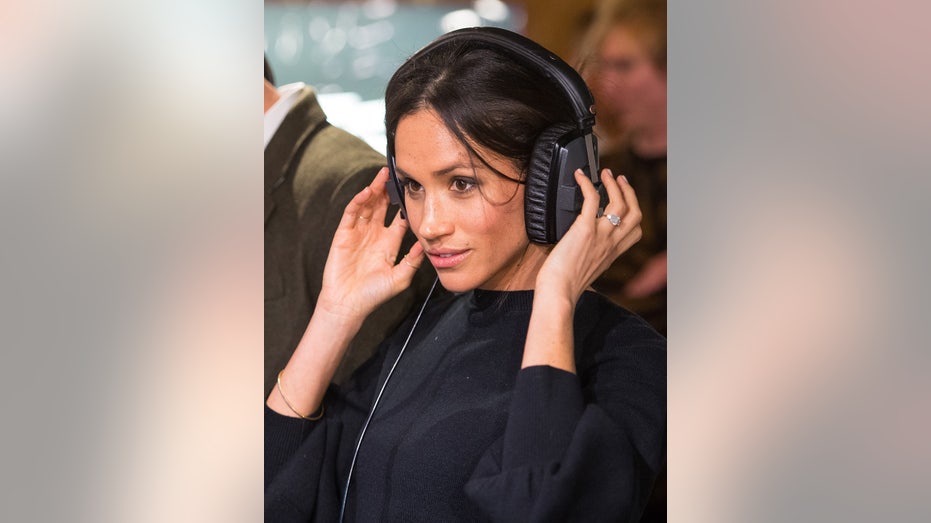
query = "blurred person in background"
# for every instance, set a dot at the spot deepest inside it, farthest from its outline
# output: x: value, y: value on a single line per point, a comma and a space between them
x: 609, y: 134
x: 624, y: 59
x: 623, y: 56
x: 312, y: 170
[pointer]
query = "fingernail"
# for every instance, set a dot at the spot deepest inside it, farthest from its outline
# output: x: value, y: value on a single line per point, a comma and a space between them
x: 624, y: 178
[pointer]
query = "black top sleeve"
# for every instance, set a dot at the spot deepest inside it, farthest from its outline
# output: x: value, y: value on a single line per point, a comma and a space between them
x: 302, y: 457
x: 580, y: 448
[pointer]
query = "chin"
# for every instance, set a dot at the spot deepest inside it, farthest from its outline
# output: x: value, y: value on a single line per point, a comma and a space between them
x: 452, y: 283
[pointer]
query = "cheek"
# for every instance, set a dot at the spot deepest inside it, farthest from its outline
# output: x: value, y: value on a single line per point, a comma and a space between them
x: 477, y: 221
x: 480, y: 222
x: 497, y: 229
x: 507, y: 228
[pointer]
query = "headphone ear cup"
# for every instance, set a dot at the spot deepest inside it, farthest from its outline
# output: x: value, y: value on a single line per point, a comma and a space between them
x: 541, y: 183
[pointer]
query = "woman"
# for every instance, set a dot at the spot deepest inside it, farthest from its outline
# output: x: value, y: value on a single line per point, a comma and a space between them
x: 522, y: 395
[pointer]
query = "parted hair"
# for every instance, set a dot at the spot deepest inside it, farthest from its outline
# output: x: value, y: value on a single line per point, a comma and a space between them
x: 484, y: 96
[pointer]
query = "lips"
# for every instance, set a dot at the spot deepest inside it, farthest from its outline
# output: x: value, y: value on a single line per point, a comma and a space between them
x: 446, y: 259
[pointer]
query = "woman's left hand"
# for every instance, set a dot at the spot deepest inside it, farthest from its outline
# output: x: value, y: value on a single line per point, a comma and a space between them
x: 590, y: 245
x: 593, y: 242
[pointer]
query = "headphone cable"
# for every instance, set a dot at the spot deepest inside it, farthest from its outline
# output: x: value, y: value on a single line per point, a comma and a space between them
x: 355, y: 453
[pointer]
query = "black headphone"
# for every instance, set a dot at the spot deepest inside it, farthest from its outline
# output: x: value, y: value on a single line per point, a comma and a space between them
x: 552, y: 198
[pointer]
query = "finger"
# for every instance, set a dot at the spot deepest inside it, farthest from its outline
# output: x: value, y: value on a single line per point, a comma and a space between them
x: 591, y: 200
x: 379, y: 202
x: 395, y: 234
x: 633, y: 214
x: 378, y: 183
x: 616, y: 204
x: 623, y: 212
x: 409, y: 265
x: 414, y: 257
x: 354, y: 209
x: 398, y: 224
x: 367, y: 211
x: 616, y: 207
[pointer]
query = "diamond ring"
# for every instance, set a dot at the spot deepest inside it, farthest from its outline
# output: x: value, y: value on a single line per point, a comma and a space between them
x: 614, y: 219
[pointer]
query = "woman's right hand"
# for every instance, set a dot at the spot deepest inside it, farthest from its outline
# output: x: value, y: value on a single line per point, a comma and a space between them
x: 360, y: 272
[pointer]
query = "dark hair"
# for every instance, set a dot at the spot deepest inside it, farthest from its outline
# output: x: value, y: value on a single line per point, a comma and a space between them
x: 484, y: 96
x: 268, y: 72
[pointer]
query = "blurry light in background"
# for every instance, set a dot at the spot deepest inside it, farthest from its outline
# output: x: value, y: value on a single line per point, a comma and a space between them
x: 318, y: 28
x: 333, y: 69
x: 459, y: 19
x: 290, y: 41
x: 364, y: 118
x: 371, y: 35
x: 365, y: 66
x: 334, y: 41
x: 346, y: 47
x: 494, y: 10
x: 379, y: 8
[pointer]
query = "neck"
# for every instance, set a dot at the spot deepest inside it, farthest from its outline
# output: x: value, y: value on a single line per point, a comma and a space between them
x: 525, y: 273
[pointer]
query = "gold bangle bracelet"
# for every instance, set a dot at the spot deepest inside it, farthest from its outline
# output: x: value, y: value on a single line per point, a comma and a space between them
x: 288, y: 403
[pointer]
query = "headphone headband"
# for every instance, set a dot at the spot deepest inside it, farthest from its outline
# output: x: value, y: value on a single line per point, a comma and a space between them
x: 528, y: 52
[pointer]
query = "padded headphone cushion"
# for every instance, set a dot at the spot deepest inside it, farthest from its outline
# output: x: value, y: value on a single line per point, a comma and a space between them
x: 539, y: 193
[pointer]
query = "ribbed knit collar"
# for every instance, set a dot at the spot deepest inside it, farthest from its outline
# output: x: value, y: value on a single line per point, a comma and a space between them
x: 484, y: 306
x: 497, y: 302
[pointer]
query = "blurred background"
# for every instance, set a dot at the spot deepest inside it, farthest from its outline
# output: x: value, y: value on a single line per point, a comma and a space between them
x: 349, y: 50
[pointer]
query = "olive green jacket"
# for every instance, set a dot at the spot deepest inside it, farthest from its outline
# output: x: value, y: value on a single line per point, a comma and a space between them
x: 312, y: 170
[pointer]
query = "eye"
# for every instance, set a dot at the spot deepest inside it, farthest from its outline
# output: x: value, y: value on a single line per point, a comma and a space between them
x: 411, y: 187
x: 463, y: 185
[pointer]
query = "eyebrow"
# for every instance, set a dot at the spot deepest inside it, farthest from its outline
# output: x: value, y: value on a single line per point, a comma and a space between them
x: 442, y: 172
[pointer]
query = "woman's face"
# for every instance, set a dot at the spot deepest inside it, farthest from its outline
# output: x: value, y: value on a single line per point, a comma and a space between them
x: 469, y: 220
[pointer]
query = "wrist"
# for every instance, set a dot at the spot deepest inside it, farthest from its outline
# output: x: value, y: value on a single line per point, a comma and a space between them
x: 338, y: 313
x: 549, y: 333
x: 337, y: 319
x: 554, y: 303
x: 303, y: 382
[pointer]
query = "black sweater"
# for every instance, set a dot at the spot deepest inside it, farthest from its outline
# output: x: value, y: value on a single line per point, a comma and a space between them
x: 463, y: 434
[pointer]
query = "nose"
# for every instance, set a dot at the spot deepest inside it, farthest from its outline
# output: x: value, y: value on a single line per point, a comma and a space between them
x: 436, y: 221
